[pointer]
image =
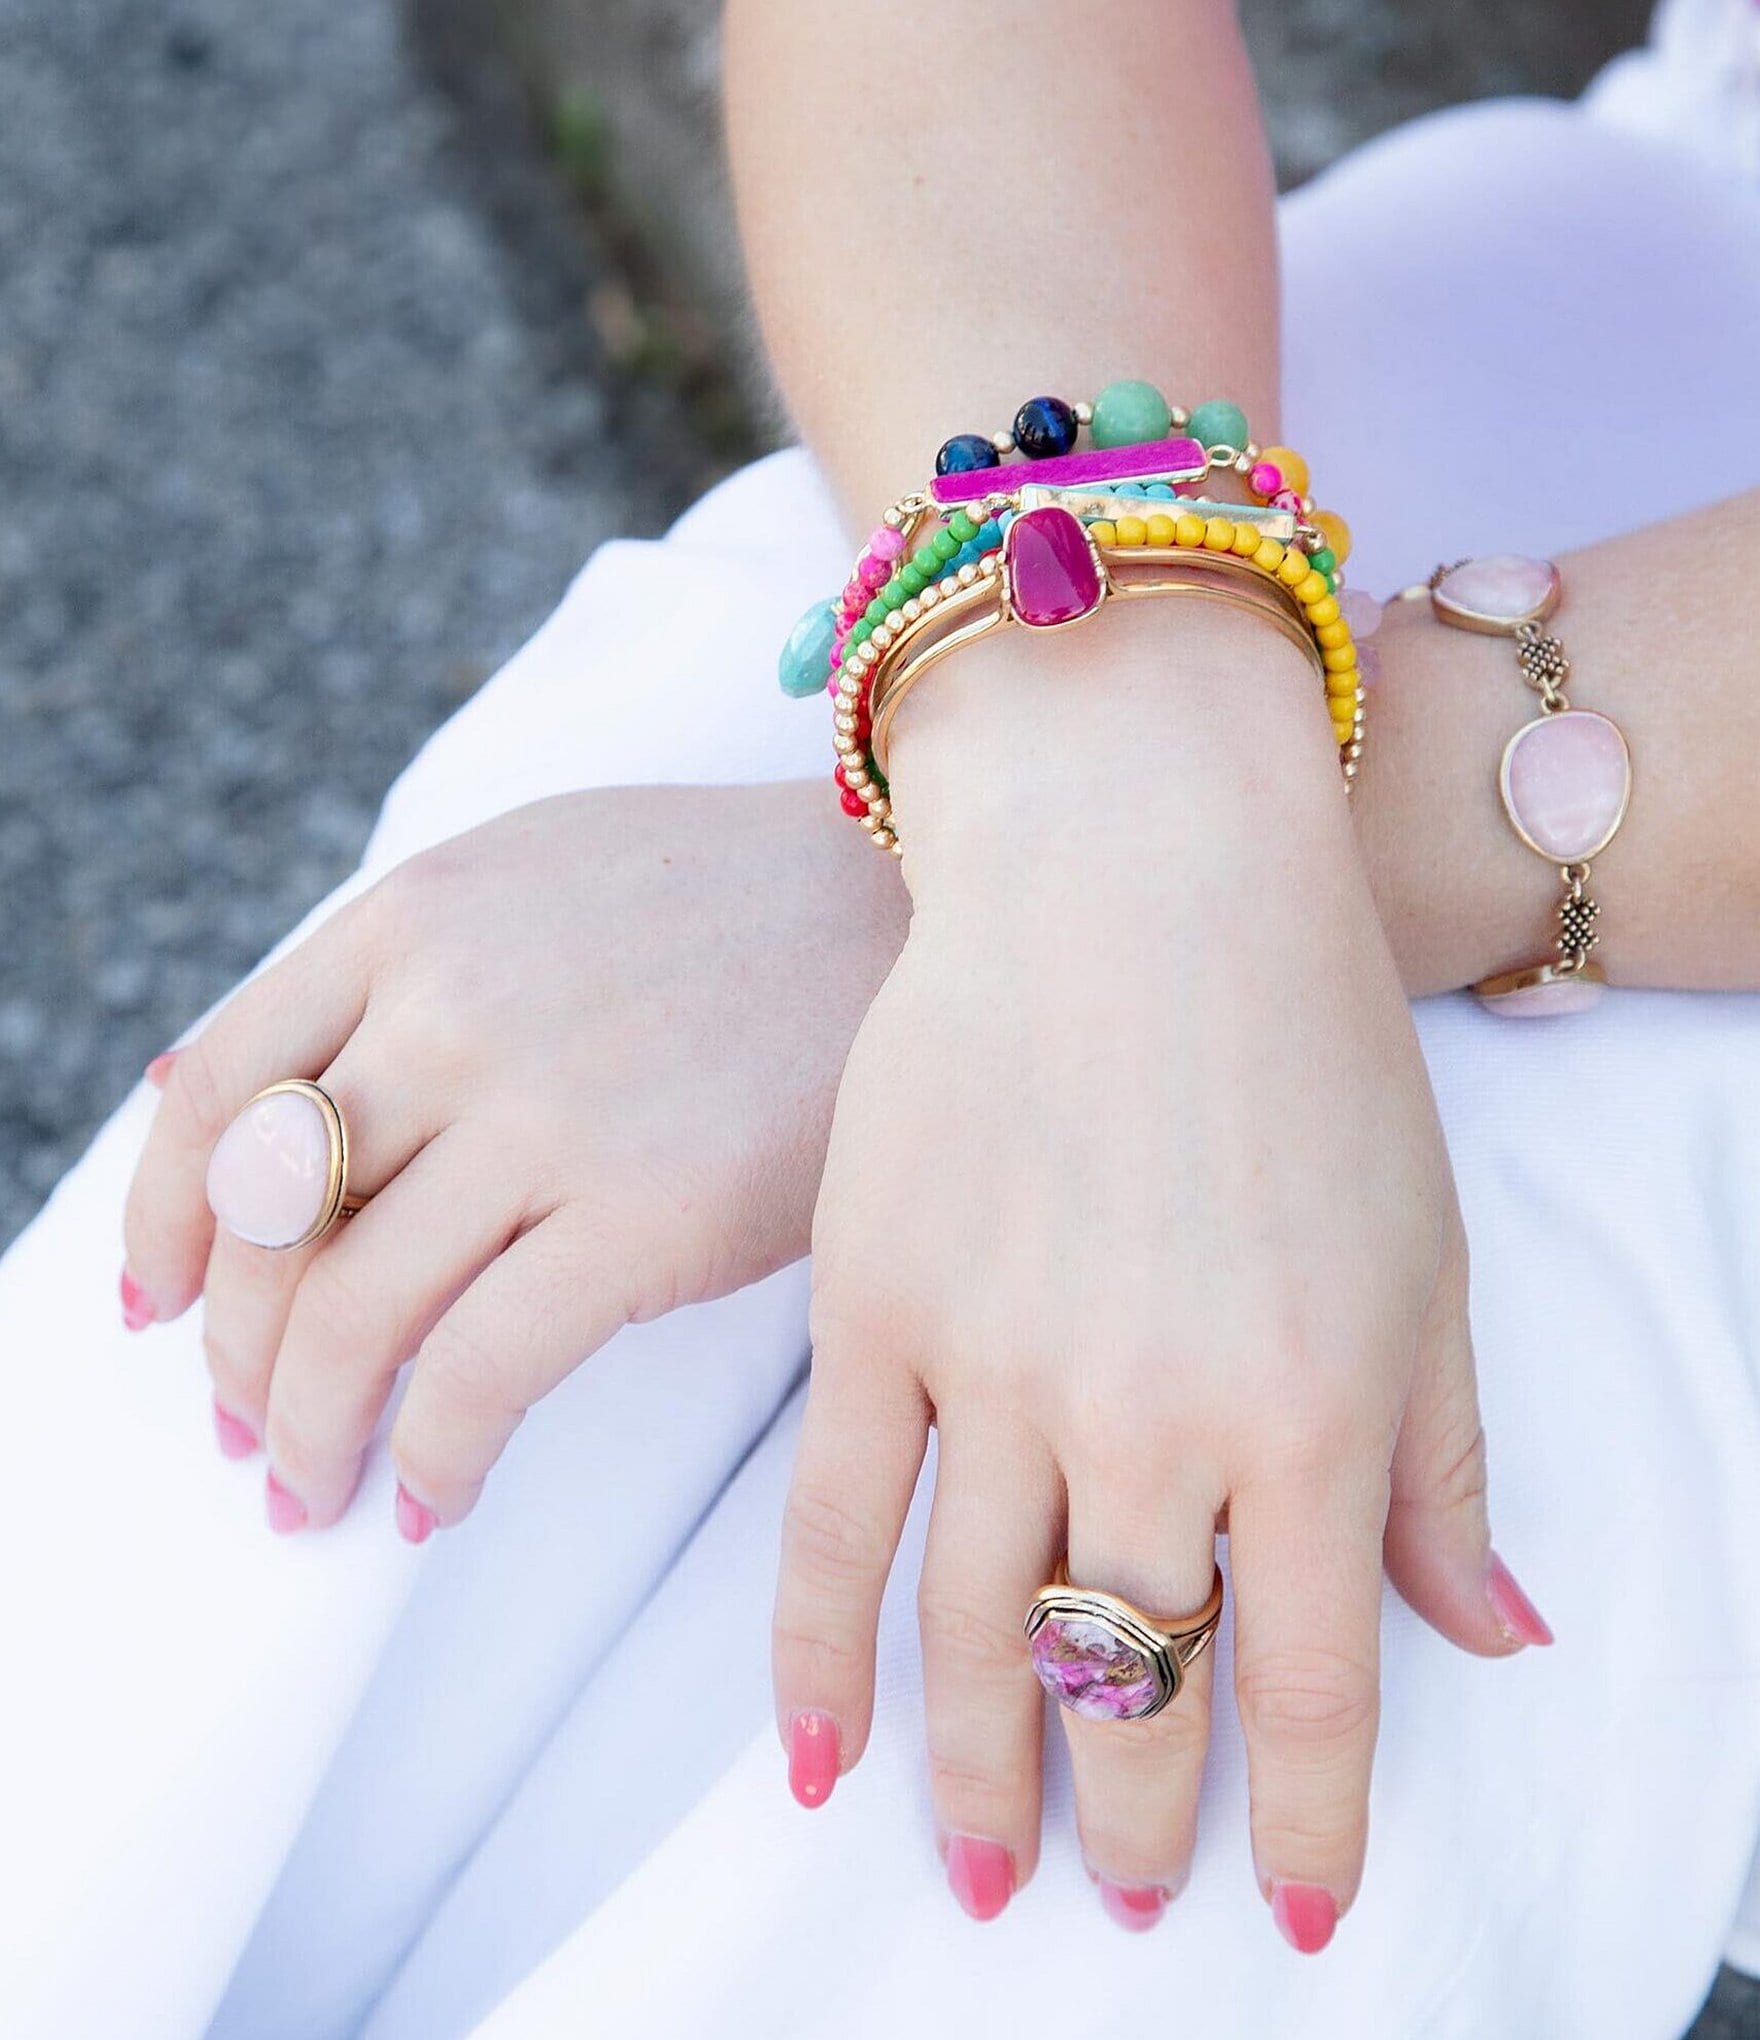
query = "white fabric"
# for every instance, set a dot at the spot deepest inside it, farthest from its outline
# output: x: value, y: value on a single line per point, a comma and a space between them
x: 329, y: 1785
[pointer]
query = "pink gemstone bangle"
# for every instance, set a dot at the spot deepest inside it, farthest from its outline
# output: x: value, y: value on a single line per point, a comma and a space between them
x: 1565, y: 778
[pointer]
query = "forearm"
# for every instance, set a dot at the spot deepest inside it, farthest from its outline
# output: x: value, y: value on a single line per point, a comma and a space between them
x: 946, y: 213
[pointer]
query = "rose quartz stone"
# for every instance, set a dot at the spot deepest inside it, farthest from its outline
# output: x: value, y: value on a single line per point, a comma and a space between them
x: 1566, y: 779
x: 1550, y: 1001
x: 1505, y: 586
x: 270, y: 1170
x: 1052, y: 577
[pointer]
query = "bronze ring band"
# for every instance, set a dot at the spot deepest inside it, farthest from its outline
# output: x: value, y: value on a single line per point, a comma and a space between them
x: 278, y: 1176
x: 1103, y: 1658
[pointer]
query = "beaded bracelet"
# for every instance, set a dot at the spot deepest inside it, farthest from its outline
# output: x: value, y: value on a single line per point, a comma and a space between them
x: 1565, y: 778
x: 892, y: 585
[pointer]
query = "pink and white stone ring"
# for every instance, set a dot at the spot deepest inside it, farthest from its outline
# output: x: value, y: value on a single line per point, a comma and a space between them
x: 278, y: 1176
x: 1106, y: 1660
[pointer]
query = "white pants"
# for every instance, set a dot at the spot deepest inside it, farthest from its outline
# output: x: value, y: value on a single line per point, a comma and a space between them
x: 331, y: 1785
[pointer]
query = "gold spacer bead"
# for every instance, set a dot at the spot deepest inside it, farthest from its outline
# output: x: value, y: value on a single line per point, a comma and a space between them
x: 967, y: 575
x: 845, y: 725
x: 893, y: 519
x: 1084, y: 412
x: 990, y: 565
x: 856, y: 777
x: 880, y: 806
x: 912, y: 610
x: 1250, y: 454
x: 870, y: 821
x: 930, y: 596
x: 1179, y: 417
x: 1002, y: 441
x: 1242, y: 465
x: 844, y: 744
x: 894, y: 846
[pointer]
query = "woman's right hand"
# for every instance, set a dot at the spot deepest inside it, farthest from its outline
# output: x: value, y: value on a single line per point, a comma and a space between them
x: 587, y: 1054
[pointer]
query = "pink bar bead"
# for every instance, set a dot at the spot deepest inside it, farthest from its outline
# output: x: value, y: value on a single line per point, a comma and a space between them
x: 1174, y: 460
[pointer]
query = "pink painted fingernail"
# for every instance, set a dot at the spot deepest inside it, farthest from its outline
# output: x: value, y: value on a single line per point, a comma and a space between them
x: 981, y: 1875
x: 813, y: 1756
x: 159, y: 1069
x: 1306, y: 1915
x: 416, y: 1522
x: 137, y: 1305
x: 287, y: 1513
x: 1136, y: 1907
x: 237, y: 1439
x: 1519, y: 1619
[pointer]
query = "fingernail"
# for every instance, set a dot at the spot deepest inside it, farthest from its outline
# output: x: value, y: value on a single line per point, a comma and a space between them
x: 1519, y: 1619
x: 287, y: 1513
x: 137, y: 1305
x: 812, y: 1756
x: 160, y: 1068
x: 237, y: 1439
x: 981, y: 1875
x: 1306, y: 1915
x: 416, y: 1522
x: 1136, y: 1908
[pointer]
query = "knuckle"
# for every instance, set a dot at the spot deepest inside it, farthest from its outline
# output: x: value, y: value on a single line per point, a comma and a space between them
x: 1462, y: 1481
x: 828, y: 1545
x: 234, y: 1364
x: 459, y: 1367
x: 967, y: 1639
x: 818, y: 1660
x: 1314, y: 1700
x: 986, y: 1798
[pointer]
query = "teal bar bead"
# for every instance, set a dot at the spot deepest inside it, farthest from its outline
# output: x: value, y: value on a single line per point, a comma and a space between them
x: 1219, y: 423
x: 1126, y: 413
x: 805, y: 665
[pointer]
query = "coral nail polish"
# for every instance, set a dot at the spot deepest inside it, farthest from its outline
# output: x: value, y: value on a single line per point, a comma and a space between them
x: 137, y: 1305
x: 287, y: 1513
x: 1517, y: 1616
x: 1306, y: 1915
x: 416, y: 1522
x: 159, y: 1069
x: 813, y: 1756
x: 980, y: 1874
x: 1136, y: 1908
x: 237, y: 1439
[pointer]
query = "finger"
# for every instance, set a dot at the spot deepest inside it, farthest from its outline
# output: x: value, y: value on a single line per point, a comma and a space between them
x: 994, y: 1536
x: 368, y: 1298
x: 246, y: 1296
x: 536, y: 1311
x: 1305, y: 1553
x: 288, y: 1022
x: 856, y: 1464
x: 1438, y: 1545
x: 1136, y: 1782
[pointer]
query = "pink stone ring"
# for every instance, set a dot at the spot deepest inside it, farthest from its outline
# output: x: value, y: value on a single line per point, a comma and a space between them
x: 278, y: 1176
x: 1104, y: 1659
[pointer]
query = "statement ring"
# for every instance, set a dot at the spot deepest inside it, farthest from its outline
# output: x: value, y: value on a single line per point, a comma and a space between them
x: 1101, y: 1657
x: 278, y: 1176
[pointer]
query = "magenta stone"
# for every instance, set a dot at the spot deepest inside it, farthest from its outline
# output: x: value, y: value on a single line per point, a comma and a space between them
x: 1499, y: 592
x: 1093, y: 1671
x: 1053, y: 576
x: 1565, y: 782
x: 1150, y: 460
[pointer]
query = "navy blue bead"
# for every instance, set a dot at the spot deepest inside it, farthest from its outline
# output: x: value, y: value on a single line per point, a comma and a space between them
x: 1044, y: 426
x: 965, y: 451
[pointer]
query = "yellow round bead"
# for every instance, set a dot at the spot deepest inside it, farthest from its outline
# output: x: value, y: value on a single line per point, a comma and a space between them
x: 1312, y: 588
x: 1332, y: 634
x: 1338, y: 658
x: 1324, y: 611
x: 1132, y: 531
x: 1290, y: 465
x: 1219, y: 535
x: 1103, y: 531
x: 1335, y: 531
x: 1342, y: 686
x: 1295, y: 567
x: 1269, y: 556
x: 1246, y: 540
x: 1160, y: 528
x: 1187, y: 529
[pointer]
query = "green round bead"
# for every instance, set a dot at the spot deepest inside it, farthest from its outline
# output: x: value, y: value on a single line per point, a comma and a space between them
x: 861, y: 634
x: 805, y: 665
x: 1126, y: 413
x: 876, y: 611
x: 893, y: 594
x: 962, y: 526
x: 914, y: 580
x: 1325, y: 561
x: 944, y: 545
x: 1219, y: 423
x: 926, y: 559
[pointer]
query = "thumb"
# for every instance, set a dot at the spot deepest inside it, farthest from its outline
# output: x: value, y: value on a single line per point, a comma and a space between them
x: 1438, y: 1543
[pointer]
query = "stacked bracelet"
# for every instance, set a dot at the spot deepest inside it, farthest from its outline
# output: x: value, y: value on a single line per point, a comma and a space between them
x: 1042, y: 540
x: 1565, y: 778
